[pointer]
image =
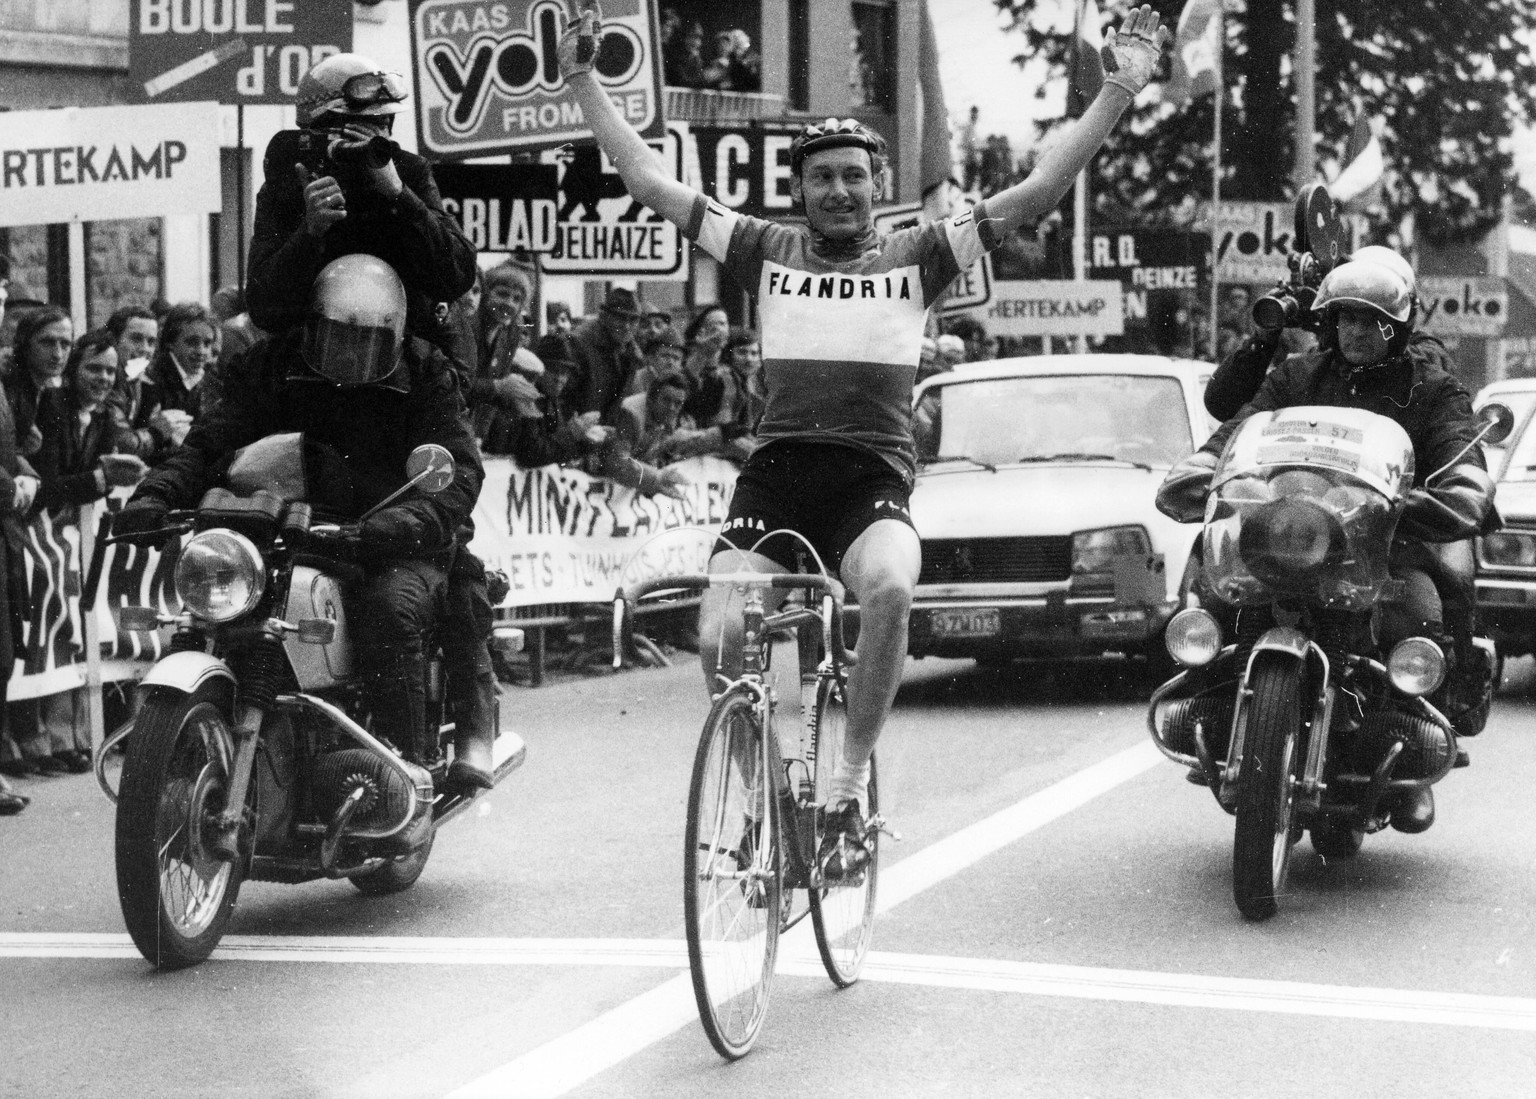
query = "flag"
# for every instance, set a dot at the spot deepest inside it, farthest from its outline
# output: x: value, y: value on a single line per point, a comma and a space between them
x: 935, y: 164
x: 1196, y: 52
x: 1087, y: 64
x: 1358, y: 184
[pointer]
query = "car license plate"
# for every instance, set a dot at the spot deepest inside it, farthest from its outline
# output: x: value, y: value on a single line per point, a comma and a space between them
x: 977, y: 622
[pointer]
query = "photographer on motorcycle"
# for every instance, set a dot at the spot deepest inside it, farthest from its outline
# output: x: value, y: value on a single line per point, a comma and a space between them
x: 1369, y: 360
x: 351, y: 379
x: 338, y: 186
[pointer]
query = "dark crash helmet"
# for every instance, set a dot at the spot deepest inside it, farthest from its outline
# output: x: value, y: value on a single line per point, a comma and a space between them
x: 1375, y: 283
x: 832, y: 133
x: 348, y: 85
x: 355, y: 331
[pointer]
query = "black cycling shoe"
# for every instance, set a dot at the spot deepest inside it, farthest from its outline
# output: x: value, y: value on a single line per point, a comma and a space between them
x: 844, y: 849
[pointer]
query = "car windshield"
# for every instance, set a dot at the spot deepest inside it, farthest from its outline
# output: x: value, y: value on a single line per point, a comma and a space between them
x: 1521, y: 464
x: 999, y: 421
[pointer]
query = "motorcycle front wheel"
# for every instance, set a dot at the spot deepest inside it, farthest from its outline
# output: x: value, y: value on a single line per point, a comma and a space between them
x: 176, y: 893
x: 1266, y: 797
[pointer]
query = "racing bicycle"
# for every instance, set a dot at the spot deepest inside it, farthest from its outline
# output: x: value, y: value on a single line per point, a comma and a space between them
x: 756, y: 833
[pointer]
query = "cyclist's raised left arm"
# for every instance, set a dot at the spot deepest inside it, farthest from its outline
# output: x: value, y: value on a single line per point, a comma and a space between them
x: 1131, y: 57
x: 638, y: 164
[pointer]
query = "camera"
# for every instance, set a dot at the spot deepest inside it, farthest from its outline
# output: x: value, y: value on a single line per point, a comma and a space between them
x: 333, y: 153
x: 1319, y: 248
x: 1289, y: 305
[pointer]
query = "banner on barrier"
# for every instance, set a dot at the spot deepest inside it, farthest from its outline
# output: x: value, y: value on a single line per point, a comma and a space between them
x: 564, y: 536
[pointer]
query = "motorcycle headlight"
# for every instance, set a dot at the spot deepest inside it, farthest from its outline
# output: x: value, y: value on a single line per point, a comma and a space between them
x: 1094, y: 551
x: 1416, y: 666
x: 220, y: 575
x: 1285, y: 540
x: 1193, y: 637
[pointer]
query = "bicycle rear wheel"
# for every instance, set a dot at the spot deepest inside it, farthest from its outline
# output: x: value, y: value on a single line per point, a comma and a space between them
x: 843, y: 914
x: 733, y: 876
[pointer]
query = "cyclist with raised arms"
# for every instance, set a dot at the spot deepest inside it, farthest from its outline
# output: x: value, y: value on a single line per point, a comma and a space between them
x: 842, y: 312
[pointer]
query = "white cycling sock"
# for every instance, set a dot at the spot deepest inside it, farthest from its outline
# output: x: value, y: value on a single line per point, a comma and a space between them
x: 849, y: 783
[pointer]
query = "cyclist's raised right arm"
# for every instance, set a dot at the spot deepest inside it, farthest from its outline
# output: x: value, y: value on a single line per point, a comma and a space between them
x: 637, y: 163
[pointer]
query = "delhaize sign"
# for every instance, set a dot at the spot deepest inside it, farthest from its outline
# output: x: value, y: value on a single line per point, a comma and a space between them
x: 487, y: 80
x: 100, y: 163
x: 230, y: 51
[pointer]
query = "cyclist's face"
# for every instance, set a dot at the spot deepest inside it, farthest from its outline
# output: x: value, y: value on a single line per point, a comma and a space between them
x: 838, y: 189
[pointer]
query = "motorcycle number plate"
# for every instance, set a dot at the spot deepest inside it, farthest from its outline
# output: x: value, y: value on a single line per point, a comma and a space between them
x: 966, y: 622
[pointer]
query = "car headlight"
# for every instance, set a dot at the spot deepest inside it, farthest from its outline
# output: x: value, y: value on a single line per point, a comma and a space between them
x: 1094, y: 551
x: 1508, y: 549
x: 1193, y: 637
x: 1416, y: 666
x: 220, y: 575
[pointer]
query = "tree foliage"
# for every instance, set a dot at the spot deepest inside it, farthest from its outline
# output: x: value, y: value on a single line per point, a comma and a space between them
x: 1445, y: 81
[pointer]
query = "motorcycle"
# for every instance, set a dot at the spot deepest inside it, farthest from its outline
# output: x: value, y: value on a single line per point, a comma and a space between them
x: 1286, y: 707
x: 251, y: 756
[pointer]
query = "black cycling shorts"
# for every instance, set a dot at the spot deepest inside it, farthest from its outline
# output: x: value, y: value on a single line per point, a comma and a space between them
x: 829, y: 492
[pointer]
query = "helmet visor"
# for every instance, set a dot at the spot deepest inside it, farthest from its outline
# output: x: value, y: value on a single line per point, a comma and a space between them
x: 349, y: 354
x: 373, y: 89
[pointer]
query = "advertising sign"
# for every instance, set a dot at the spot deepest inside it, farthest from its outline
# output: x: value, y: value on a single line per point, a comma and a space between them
x: 971, y: 289
x: 600, y: 229
x: 746, y: 168
x: 1055, y: 307
x: 1152, y: 265
x: 230, y: 51
x: 1463, y: 305
x: 1254, y: 241
x: 98, y: 163
x: 502, y: 207
x: 487, y: 79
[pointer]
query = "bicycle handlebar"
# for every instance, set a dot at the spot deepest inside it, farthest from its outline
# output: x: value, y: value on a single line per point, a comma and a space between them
x: 625, y: 596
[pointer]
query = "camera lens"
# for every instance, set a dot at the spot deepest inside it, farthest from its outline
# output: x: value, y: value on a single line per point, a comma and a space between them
x: 1276, y: 310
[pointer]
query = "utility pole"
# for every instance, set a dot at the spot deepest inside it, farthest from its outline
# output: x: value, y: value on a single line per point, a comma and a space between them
x: 1306, y: 98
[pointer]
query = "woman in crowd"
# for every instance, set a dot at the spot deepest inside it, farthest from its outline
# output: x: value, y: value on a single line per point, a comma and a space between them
x: 74, y: 466
x: 703, y: 344
x: 180, y: 377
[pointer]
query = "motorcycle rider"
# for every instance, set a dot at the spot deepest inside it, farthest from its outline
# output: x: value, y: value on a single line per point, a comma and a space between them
x: 1368, y: 360
x: 352, y: 379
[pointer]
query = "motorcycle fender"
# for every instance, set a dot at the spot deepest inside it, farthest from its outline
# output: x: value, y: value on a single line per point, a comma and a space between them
x: 186, y: 672
x: 1283, y: 639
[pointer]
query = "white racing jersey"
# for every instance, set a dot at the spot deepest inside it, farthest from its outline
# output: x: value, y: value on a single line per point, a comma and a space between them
x: 841, y: 340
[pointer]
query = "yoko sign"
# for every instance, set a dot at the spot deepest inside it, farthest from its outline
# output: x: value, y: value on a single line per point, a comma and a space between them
x: 100, y: 163
x: 487, y: 79
x: 1463, y: 305
x: 231, y: 51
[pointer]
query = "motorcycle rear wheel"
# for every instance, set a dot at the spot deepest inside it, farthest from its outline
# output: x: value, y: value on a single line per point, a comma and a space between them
x: 397, y: 875
x: 1266, y: 797
x: 176, y: 894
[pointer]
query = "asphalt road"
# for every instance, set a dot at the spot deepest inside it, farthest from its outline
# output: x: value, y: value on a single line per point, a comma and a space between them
x: 1057, y: 922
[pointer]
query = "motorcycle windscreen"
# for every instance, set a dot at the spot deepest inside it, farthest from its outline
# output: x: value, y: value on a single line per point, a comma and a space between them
x: 1304, y: 506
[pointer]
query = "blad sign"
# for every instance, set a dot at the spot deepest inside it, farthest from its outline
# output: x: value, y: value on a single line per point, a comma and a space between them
x: 487, y: 79
x: 971, y: 288
x: 230, y: 51
x: 600, y: 229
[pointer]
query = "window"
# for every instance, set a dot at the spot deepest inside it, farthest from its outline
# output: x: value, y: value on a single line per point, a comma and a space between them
x: 872, y: 68
x: 706, y: 44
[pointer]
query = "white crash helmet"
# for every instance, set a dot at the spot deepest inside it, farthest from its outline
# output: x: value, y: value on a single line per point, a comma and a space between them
x: 356, y: 326
x: 349, y: 84
x: 1369, y: 282
x: 1376, y: 253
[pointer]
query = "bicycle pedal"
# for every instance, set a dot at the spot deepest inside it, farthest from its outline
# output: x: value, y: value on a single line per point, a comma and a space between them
x: 879, y: 824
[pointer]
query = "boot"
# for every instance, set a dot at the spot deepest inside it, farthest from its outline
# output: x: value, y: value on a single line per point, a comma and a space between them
x: 1412, y: 809
x: 474, y: 737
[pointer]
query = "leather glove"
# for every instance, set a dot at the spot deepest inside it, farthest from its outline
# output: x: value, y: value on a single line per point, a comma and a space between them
x: 142, y: 521
x: 393, y: 530
x: 1451, y: 509
x: 1130, y: 57
x: 1182, y: 494
x: 577, y: 48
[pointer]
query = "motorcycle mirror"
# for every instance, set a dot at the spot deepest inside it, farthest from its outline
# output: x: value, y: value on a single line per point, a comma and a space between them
x: 1318, y: 229
x: 430, y: 467
x: 1498, y: 422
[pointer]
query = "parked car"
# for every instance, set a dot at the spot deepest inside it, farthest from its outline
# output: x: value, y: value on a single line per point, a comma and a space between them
x: 1506, y: 560
x: 1034, y: 500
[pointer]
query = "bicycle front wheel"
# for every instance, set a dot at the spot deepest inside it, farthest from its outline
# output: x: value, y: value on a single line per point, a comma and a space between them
x: 733, y: 875
x: 843, y: 913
